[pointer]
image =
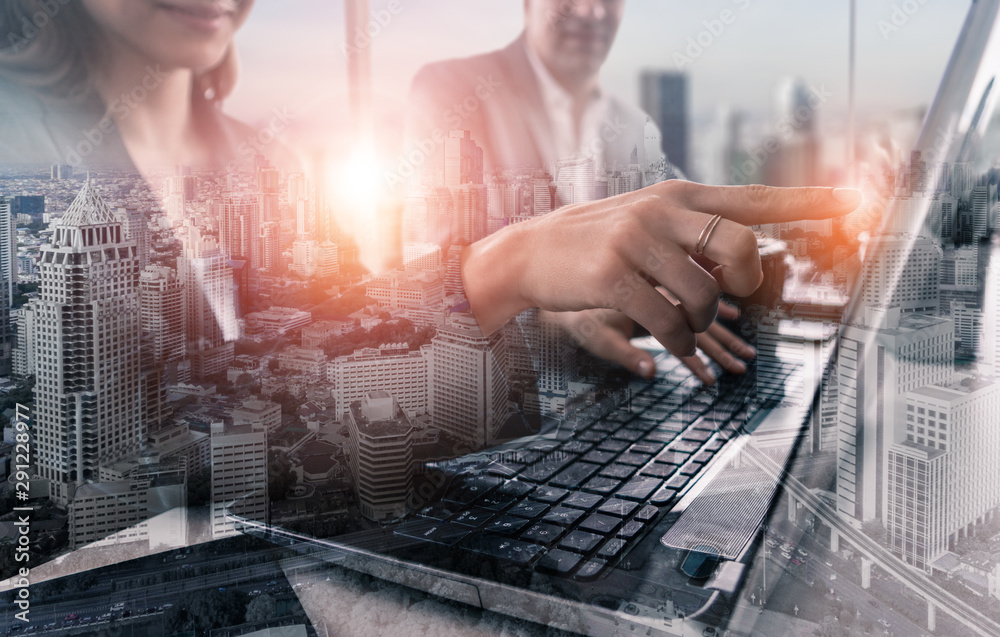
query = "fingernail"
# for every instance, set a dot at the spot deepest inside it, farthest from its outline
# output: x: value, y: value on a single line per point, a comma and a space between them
x: 749, y: 351
x: 645, y: 368
x: 737, y: 366
x: 851, y: 196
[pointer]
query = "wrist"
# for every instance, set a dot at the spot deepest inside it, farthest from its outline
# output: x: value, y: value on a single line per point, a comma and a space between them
x: 491, y: 276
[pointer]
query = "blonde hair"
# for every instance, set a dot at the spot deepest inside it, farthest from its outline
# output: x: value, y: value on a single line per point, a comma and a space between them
x: 56, y: 48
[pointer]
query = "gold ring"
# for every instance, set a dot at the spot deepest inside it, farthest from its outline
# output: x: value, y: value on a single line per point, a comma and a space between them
x: 706, y: 234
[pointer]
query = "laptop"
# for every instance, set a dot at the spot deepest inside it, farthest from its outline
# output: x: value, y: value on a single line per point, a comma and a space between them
x: 641, y: 507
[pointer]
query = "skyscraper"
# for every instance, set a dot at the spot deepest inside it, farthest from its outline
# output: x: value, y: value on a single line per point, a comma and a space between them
x: 211, y: 323
x: 239, y: 228
x: 87, y: 389
x: 463, y: 159
x: 8, y: 280
x: 664, y: 95
x: 381, y: 455
x: 163, y: 312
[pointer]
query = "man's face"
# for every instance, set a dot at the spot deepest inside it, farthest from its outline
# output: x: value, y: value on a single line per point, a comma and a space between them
x: 572, y: 37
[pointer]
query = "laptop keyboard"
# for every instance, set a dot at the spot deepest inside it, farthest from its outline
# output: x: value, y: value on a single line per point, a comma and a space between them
x: 574, y: 507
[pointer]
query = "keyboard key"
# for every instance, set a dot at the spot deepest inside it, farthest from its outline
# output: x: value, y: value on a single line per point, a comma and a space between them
x: 663, y: 496
x: 677, y: 482
x: 599, y: 523
x: 528, y: 509
x: 559, y: 562
x: 630, y: 435
x: 634, y: 459
x: 685, y: 446
x: 630, y: 530
x: 496, y: 501
x: 506, y: 524
x: 503, y: 548
x: 672, y: 456
x: 581, y: 541
x: 546, y: 468
x: 548, y: 494
x: 698, y: 435
x: 439, y: 511
x: 702, y: 457
x: 690, y: 469
x: 603, y: 486
x: 599, y: 457
x: 618, y: 471
x: 575, y: 474
x: 575, y: 446
x: 431, y: 531
x: 583, y: 501
x: 714, y: 445
x: 590, y: 570
x: 515, y: 488
x: 638, y: 488
x: 613, y: 445
x: 658, y: 470
x: 647, y: 513
x: 618, y: 508
x: 469, y: 490
x: 651, y: 448
x: 473, y: 517
x: 563, y: 516
x: 542, y: 534
x: 612, y: 549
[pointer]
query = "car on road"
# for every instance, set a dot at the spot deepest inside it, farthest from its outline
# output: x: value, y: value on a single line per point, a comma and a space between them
x: 884, y: 623
x: 873, y: 603
x: 803, y: 553
x: 797, y: 561
x: 785, y: 555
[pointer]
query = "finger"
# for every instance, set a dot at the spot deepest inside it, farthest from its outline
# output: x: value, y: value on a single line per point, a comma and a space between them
x: 612, y: 345
x: 728, y: 311
x: 682, y: 279
x: 732, y: 342
x: 756, y: 204
x: 700, y: 369
x: 720, y: 354
x: 665, y: 322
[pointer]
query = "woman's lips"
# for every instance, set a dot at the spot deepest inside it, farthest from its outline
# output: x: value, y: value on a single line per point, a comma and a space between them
x: 201, y: 15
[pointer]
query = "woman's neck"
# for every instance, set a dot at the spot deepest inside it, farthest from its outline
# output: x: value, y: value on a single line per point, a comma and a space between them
x: 152, y: 108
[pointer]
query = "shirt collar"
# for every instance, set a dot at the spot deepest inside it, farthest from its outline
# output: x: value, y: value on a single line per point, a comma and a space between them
x: 553, y: 94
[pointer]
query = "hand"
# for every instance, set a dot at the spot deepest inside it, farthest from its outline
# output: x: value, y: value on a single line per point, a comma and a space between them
x: 613, y: 254
x: 606, y: 333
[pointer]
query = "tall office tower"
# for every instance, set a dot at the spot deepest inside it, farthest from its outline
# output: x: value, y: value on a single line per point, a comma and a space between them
x: 574, y: 181
x: 962, y: 180
x: 804, y: 346
x: 421, y: 256
x: 211, y: 325
x: 876, y: 366
x: 468, y: 391
x: 541, y: 194
x: 269, y: 204
x: 905, y: 274
x: 917, y: 173
x: 381, y: 455
x: 664, y: 95
x: 179, y: 191
x: 8, y: 281
x: 239, y: 476
x: 61, y: 171
x: 463, y: 159
x: 984, y: 200
x: 87, y: 393
x: 453, y: 271
x: 552, y: 355
x: 942, y: 476
x: 390, y: 367
x: 468, y: 221
x: 239, y: 228
x: 23, y: 355
x: 163, y: 313
x: 620, y: 182
x: 297, y: 186
x: 268, y: 180
x: 305, y: 257
x: 270, y: 247
x: 328, y: 263
x: 945, y: 212
x: 795, y: 161
x: 415, y: 219
x: 303, y: 215
x: 136, y: 230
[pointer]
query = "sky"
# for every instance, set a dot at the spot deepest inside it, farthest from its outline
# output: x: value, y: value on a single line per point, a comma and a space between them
x: 292, y: 58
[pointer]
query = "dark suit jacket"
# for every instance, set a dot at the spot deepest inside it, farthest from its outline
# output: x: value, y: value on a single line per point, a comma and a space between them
x: 497, y: 98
